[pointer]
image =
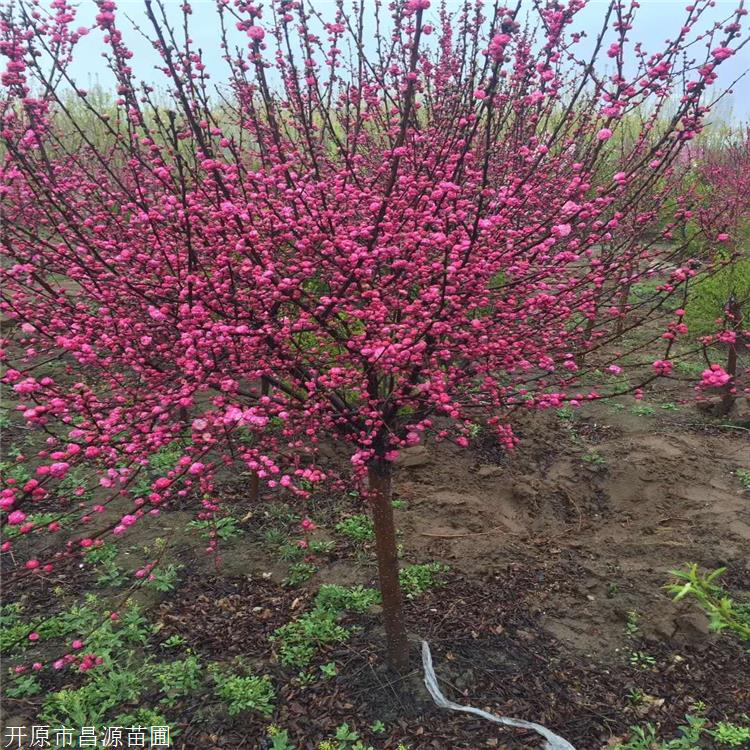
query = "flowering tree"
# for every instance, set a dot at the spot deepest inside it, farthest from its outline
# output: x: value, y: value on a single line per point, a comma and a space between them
x: 719, y: 300
x: 344, y: 244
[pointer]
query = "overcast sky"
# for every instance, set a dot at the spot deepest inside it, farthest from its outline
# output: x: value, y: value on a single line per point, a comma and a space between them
x: 657, y: 20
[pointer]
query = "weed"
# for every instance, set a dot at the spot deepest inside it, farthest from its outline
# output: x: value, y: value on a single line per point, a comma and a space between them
x: 641, y: 659
x: 416, y: 579
x: 689, y: 735
x: 399, y: 504
x: 300, y: 573
x: 299, y: 639
x: 724, y: 612
x: 89, y: 704
x: 244, y: 693
x: 636, y: 696
x: 174, y: 641
x: 320, y: 547
x: 224, y: 528
x: 566, y: 413
x: 633, y: 624
x: 23, y: 686
x: 290, y: 551
x: 731, y: 735
x: 279, y: 738
x: 744, y: 478
x: 337, y: 598
x: 13, y: 630
x: 164, y: 579
x: 178, y: 678
x: 329, y: 669
x: 306, y: 679
x: 359, y: 528
x: 344, y: 739
x: 377, y: 726
x: 643, y: 410
x: 143, y: 717
x: 594, y: 459
x: 104, y: 560
x: 281, y: 514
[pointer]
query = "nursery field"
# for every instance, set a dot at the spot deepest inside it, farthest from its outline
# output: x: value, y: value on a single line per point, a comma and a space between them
x: 537, y: 577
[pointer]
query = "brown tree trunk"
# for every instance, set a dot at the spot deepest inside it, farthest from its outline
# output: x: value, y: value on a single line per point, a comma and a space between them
x: 379, y: 477
x: 734, y: 314
x: 254, y: 478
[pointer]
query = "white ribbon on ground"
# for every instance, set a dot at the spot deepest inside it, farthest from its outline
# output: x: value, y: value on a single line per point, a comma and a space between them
x: 552, y: 741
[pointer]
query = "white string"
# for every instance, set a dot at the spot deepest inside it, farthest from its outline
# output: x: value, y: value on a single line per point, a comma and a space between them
x: 551, y: 740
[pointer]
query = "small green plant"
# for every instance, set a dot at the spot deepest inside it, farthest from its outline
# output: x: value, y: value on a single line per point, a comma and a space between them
x: 174, y: 641
x: 244, y: 692
x: 594, y: 459
x: 633, y: 624
x: 291, y: 551
x: 13, y: 630
x: 23, y: 686
x: 299, y: 640
x: 281, y: 513
x: 104, y: 560
x: 329, y: 669
x: 164, y: 578
x: 359, y: 528
x: 566, y: 413
x: 641, y: 659
x: 643, y: 410
x: 377, y: 726
x: 690, y: 735
x: 300, y: 573
x: 225, y: 528
x: 337, y: 598
x: 90, y: 704
x: 636, y: 696
x: 416, y: 579
x: 274, y: 538
x: 399, y: 504
x: 731, y: 735
x: 178, y: 678
x: 344, y: 739
x: 306, y: 679
x: 320, y: 547
x: 279, y: 738
x: 144, y: 717
x: 724, y: 612
x: 743, y: 475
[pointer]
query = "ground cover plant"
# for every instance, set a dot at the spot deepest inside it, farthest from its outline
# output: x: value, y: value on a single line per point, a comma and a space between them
x: 231, y: 315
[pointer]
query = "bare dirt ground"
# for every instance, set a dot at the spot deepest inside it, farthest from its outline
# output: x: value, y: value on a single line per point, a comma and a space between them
x: 553, y: 610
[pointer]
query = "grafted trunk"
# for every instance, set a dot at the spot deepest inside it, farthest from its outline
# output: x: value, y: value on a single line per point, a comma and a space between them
x: 379, y: 478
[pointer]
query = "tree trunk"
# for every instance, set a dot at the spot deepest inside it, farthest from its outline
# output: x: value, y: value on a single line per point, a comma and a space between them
x: 254, y: 478
x: 734, y: 315
x: 379, y: 477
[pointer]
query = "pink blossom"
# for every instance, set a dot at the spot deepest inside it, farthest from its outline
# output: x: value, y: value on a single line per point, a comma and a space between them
x: 16, y: 517
x: 604, y: 134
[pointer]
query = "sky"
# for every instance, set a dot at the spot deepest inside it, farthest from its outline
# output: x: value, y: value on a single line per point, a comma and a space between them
x: 656, y: 21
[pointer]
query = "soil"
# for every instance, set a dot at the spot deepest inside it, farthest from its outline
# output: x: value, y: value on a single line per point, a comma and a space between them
x: 550, y: 548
